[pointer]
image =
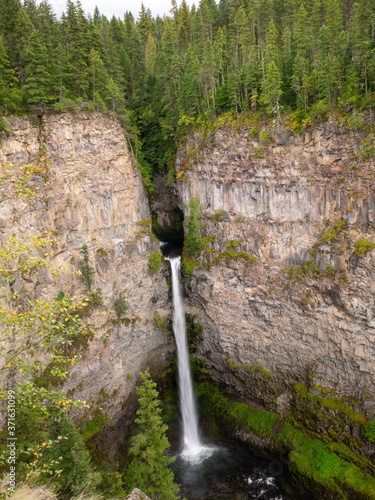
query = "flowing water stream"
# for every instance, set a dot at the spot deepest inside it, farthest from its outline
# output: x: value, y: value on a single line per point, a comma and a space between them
x: 194, y: 450
x: 208, y: 472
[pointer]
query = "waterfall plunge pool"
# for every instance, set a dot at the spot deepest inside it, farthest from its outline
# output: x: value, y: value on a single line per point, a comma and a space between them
x: 230, y: 473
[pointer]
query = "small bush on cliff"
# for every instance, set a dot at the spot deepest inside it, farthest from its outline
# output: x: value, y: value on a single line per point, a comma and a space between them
x: 148, y: 469
x: 193, y: 241
x: 86, y: 270
x: 120, y: 306
x: 362, y: 247
x: 154, y: 262
x: 264, y: 137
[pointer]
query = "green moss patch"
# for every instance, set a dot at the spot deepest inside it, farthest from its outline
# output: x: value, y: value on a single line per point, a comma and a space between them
x: 329, y: 469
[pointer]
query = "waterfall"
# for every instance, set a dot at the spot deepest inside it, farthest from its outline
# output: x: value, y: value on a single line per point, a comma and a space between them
x: 193, y: 448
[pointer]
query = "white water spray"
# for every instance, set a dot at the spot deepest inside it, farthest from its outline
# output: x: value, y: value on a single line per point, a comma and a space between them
x: 193, y: 450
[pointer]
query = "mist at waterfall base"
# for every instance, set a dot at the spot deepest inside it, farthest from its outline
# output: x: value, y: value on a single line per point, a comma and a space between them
x: 206, y: 471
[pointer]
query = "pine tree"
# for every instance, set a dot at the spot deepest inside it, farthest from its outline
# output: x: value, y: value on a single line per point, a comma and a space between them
x: 69, y: 455
x: 10, y: 94
x: 99, y: 75
x: 77, y: 38
x: 148, y: 469
x: 38, y: 84
x: 272, y: 82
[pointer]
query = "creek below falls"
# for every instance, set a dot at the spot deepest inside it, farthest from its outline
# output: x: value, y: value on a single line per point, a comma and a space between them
x: 217, y: 470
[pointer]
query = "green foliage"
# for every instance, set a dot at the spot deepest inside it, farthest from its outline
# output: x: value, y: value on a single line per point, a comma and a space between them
x: 93, y: 426
x: 129, y: 376
x: 164, y: 77
x: 47, y: 336
x: 148, y: 469
x: 370, y: 431
x: 164, y: 323
x: 258, y: 368
x: 309, y: 268
x: 193, y: 240
x: 331, y: 403
x: 189, y: 264
x: 233, y: 365
x: 71, y: 467
x: 4, y: 127
x: 368, y: 149
x: 362, y: 247
x: 193, y: 331
x: 331, y: 467
x: 86, y: 270
x: 356, y: 120
x: 198, y: 367
x: 330, y: 235
x: 231, y: 254
x: 264, y: 136
x: 120, y: 306
x: 154, y: 262
x: 32, y: 430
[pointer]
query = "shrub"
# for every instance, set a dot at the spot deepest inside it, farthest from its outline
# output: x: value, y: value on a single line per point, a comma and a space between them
x: 154, y: 262
x: 369, y: 147
x: 193, y: 332
x: 193, y: 241
x: 356, y: 120
x: 120, y: 306
x: 93, y: 426
x: 233, y: 364
x: 370, y: 431
x: 69, y: 455
x: 59, y: 106
x: 258, y: 368
x: 189, y: 264
x: 362, y: 247
x: 4, y: 127
x: 264, y: 136
x: 86, y: 270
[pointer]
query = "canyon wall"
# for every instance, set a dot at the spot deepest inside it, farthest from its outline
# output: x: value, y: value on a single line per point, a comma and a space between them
x: 92, y: 194
x: 284, y: 286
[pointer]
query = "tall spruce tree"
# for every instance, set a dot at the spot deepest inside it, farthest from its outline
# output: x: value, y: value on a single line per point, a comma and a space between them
x: 148, y: 469
x: 38, y: 83
x: 10, y: 93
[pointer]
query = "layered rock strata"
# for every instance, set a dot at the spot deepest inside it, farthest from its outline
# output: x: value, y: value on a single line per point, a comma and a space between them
x: 92, y: 194
x: 304, y: 310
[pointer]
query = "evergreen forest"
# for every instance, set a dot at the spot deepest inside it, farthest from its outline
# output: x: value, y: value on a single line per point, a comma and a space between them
x: 162, y: 75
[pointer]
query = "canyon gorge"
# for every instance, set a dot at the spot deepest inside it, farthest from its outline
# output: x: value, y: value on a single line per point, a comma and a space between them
x: 282, y: 287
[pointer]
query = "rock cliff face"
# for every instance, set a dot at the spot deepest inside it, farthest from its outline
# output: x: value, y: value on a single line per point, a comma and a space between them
x: 304, y: 310
x: 94, y: 195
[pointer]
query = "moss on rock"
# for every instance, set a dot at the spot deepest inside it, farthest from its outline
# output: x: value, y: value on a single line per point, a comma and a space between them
x: 325, y: 470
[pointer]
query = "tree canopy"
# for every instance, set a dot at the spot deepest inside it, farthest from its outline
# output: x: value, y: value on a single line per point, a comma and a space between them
x: 148, y: 469
x: 156, y: 73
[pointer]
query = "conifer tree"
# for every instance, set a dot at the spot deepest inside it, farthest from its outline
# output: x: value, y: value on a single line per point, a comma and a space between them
x: 37, y: 71
x: 10, y: 94
x: 271, y: 85
x: 148, y: 469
